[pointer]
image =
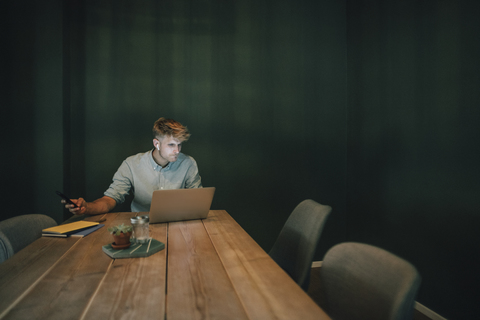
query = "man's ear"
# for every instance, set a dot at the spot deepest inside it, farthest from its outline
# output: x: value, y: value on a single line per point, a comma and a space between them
x: 156, y: 144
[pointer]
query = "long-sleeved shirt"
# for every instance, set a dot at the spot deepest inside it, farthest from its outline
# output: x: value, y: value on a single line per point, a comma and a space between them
x: 141, y: 174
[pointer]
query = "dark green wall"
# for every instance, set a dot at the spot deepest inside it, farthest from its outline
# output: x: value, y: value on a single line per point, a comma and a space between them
x: 390, y: 142
x: 31, y: 107
x: 414, y: 141
x: 261, y: 85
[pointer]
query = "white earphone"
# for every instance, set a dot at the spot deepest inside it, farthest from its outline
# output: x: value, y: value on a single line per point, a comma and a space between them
x: 158, y: 148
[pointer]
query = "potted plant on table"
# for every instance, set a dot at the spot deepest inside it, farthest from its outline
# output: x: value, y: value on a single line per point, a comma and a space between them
x: 121, y: 236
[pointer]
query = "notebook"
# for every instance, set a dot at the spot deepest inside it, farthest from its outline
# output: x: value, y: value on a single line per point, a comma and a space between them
x: 86, y: 232
x: 64, y: 230
x: 180, y: 204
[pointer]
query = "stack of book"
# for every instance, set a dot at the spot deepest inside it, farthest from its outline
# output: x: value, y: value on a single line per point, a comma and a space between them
x: 74, y: 229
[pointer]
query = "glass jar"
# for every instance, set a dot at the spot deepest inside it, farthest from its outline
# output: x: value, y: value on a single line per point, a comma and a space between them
x: 140, y: 229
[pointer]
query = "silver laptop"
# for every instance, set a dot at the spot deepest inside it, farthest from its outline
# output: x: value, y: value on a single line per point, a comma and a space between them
x: 180, y: 204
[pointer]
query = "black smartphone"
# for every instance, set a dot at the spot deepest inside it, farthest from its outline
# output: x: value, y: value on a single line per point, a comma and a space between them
x: 64, y: 197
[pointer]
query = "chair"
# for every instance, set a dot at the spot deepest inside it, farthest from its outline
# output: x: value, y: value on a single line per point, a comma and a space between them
x: 361, y: 281
x: 18, y: 232
x: 295, y: 246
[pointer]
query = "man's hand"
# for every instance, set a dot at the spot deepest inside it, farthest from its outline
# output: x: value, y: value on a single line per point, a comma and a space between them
x: 81, y: 206
x: 99, y: 206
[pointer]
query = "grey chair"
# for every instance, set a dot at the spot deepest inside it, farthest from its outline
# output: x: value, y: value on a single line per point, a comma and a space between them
x: 360, y: 281
x: 295, y: 246
x: 18, y: 232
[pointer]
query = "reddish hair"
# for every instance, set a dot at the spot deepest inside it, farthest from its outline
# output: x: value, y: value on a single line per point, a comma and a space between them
x: 170, y: 128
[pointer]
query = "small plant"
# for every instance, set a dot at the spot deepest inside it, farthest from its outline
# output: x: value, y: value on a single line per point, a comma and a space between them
x: 117, y: 230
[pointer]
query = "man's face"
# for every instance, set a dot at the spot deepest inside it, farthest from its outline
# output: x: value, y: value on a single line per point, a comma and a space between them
x: 168, y: 149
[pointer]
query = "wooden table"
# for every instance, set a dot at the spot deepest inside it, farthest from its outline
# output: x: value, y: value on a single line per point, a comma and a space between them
x: 209, y: 269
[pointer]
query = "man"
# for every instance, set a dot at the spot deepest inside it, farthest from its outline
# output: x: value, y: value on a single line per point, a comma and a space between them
x: 163, y: 167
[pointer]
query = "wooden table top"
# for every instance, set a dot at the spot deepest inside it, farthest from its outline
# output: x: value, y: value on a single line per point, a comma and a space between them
x: 209, y: 269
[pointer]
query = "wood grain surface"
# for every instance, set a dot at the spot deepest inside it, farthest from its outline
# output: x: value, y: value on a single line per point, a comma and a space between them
x: 133, y: 288
x: 66, y: 289
x: 209, y: 269
x: 20, y: 275
x: 198, y: 286
x: 266, y: 291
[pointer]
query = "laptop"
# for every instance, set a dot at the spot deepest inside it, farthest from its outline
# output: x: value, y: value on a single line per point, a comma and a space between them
x: 180, y: 204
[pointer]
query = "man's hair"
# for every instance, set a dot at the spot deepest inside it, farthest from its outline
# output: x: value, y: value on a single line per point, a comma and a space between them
x: 170, y: 128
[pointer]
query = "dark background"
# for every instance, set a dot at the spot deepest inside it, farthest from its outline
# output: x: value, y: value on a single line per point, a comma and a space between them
x: 371, y: 107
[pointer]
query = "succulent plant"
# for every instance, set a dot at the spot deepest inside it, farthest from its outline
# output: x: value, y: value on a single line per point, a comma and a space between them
x: 116, y: 230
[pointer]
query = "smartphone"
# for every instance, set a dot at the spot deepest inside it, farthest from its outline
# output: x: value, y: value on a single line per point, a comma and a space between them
x: 66, y: 199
